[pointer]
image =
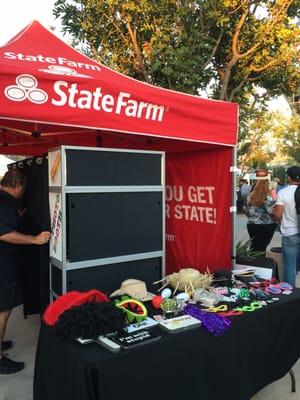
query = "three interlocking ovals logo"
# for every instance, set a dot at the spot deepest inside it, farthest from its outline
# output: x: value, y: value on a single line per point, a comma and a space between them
x: 26, y: 88
x: 62, y: 70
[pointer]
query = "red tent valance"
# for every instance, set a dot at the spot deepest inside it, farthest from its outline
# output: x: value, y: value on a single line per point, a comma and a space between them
x: 48, y: 89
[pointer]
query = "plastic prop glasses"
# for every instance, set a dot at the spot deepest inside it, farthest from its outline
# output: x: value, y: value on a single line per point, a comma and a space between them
x: 272, y: 286
x: 231, y: 313
x: 135, y: 310
x: 285, y: 286
x: 222, y: 307
x: 273, y: 290
x: 252, y: 307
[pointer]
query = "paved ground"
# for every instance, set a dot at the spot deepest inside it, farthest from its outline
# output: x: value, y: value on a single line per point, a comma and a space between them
x: 25, y: 332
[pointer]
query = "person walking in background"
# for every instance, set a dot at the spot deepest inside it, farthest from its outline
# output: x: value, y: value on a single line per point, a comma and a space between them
x: 12, y: 188
x: 280, y: 185
x: 261, y: 224
x: 244, y: 191
x: 285, y: 212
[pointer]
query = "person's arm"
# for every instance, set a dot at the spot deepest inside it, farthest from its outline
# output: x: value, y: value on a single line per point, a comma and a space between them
x: 278, y: 211
x: 15, y: 237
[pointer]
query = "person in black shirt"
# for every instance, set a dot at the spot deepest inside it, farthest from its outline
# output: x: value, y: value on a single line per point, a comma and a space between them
x: 12, y: 188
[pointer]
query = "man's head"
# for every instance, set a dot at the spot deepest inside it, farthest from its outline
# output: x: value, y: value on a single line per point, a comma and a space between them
x: 293, y: 174
x: 14, y: 182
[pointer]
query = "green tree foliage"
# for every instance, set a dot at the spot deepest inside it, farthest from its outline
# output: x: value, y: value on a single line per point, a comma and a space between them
x: 153, y: 41
x: 274, y: 140
x: 245, y: 51
x: 230, y: 46
x: 286, y: 134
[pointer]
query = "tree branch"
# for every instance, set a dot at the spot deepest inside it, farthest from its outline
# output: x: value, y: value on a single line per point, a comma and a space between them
x: 253, y: 68
x: 253, y: 48
x: 253, y: 79
x: 234, y: 46
x: 111, y: 19
x: 214, y: 50
x: 137, y: 52
x: 236, y: 89
x: 95, y: 54
x: 238, y: 7
x: 201, y: 20
x: 249, y: 151
x: 235, y: 54
x: 282, y: 9
x: 225, y: 81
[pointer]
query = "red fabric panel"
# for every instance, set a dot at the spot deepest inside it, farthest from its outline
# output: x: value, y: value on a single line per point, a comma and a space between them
x: 198, y: 218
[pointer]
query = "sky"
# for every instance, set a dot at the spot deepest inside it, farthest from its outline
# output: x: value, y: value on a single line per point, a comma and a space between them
x: 16, y: 14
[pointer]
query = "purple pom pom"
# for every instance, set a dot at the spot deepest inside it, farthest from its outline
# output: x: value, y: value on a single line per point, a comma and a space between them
x: 211, y: 322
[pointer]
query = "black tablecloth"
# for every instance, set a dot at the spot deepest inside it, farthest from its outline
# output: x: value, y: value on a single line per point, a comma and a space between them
x: 259, y: 348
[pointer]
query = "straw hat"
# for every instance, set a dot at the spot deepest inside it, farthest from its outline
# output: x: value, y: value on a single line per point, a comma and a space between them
x: 134, y: 288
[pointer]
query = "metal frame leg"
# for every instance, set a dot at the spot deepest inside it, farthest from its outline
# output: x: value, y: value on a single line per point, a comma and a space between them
x: 293, y: 381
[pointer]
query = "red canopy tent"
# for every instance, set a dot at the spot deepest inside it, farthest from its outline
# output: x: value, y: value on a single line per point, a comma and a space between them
x: 50, y: 94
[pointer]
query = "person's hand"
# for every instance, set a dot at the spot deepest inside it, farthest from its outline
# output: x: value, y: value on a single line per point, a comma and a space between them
x: 42, y: 237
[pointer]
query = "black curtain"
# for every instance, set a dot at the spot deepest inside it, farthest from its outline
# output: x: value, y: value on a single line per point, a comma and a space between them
x: 36, y: 218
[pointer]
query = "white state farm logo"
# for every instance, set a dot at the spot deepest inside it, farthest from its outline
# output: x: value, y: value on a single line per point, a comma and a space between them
x: 70, y: 94
x: 61, y: 70
x: 42, y: 58
x: 26, y: 88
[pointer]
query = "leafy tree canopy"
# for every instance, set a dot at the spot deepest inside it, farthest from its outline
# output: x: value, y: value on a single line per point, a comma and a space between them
x: 245, y: 51
x: 274, y: 140
x: 230, y: 46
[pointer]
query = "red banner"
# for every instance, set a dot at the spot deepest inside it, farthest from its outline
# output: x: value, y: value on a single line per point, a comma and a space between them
x: 198, y: 218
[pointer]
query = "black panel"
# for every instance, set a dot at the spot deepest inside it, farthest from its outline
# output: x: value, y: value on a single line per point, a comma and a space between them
x: 108, y: 278
x: 35, y: 219
x: 90, y: 168
x: 113, y: 224
x: 105, y: 168
x: 56, y: 278
x: 138, y: 169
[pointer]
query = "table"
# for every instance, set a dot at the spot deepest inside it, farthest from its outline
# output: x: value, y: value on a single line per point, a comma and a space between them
x: 259, y: 348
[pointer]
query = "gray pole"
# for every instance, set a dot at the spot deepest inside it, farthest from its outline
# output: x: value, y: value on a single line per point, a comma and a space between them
x: 234, y: 208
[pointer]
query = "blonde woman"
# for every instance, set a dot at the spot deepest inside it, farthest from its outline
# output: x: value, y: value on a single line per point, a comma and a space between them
x: 261, y: 224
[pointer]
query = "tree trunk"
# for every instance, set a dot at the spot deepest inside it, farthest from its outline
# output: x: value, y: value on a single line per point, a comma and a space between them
x: 225, y: 81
